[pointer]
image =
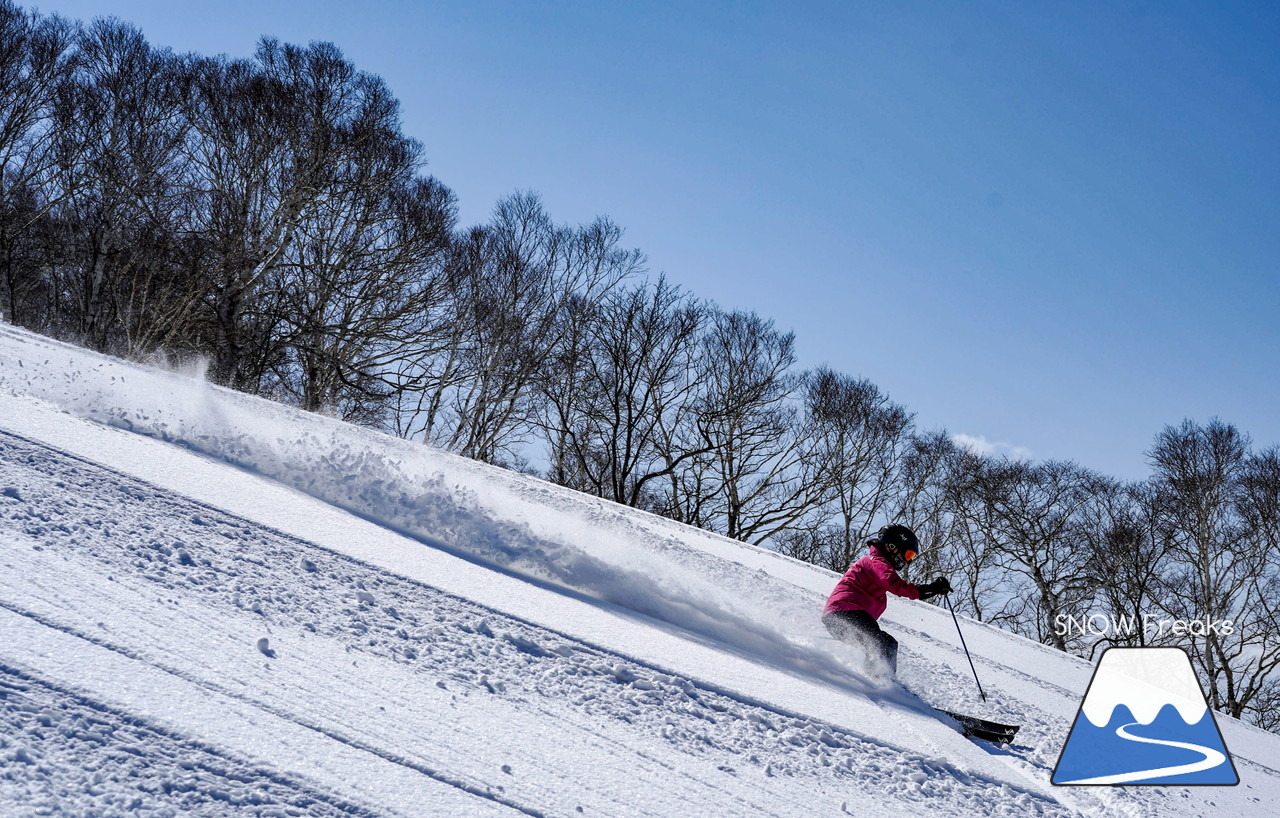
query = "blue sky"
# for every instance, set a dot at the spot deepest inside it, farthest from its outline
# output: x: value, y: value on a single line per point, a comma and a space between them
x: 1050, y: 225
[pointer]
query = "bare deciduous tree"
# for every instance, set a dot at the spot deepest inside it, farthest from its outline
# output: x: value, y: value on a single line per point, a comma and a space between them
x: 1035, y: 519
x: 271, y: 139
x: 635, y: 373
x: 1217, y: 571
x: 364, y: 271
x: 1129, y: 555
x: 941, y: 493
x: 36, y: 62
x: 1251, y: 683
x: 121, y: 134
x: 758, y: 478
x: 515, y: 282
x: 860, y: 439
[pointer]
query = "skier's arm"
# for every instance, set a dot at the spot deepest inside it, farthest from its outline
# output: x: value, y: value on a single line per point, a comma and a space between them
x: 891, y: 581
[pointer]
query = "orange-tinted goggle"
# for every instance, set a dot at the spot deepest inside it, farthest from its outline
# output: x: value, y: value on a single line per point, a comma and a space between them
x: 909, y: 555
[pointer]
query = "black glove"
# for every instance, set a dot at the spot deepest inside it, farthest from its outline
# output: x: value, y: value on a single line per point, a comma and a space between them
x: 936, y: 588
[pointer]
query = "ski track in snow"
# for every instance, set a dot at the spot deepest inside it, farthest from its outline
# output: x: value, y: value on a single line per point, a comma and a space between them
x: 54, y: 743
x: 194, y: 581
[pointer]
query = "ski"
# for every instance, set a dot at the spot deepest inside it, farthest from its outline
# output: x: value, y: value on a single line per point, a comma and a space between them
x: 974, y: 727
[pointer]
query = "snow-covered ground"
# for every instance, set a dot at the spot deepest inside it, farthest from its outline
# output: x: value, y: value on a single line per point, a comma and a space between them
x: 211, y: 604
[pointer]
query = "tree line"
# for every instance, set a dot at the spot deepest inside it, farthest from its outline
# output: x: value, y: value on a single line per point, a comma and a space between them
x: 269, y: 216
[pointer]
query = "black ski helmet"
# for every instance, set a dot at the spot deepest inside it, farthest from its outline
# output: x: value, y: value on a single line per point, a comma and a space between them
x: 899, y: 542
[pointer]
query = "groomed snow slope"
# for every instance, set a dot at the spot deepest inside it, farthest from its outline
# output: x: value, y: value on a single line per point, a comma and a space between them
x: 211, y: 604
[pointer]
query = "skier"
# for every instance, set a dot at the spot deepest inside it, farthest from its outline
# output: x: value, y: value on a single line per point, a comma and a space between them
x: 859, y: 597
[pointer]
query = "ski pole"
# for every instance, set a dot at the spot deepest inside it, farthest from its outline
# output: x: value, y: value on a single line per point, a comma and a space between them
x: 956, y: 619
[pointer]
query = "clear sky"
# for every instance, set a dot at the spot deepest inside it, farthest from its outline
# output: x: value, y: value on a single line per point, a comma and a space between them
x: 1050, y: 225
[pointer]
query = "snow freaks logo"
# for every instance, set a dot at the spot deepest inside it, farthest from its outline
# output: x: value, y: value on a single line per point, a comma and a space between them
x: 1149, y: 624
x: 1144, y: 720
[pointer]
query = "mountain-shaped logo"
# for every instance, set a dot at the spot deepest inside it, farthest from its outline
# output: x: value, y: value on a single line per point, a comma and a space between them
x: 1144, y: 720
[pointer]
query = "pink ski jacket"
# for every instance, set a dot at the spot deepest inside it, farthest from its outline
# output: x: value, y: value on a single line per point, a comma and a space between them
x: 863, y: 586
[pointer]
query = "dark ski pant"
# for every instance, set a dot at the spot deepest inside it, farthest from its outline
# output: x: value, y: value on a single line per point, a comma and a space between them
x: 859, y: 628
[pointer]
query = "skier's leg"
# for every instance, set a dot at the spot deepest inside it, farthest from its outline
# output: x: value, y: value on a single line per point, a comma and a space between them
x: 859, y: 628
x: 889, y: 649
x: 838, y: 625
x: 884, y: 642
x: 850, y: 626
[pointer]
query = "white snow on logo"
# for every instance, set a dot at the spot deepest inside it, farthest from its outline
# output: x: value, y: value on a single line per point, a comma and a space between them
x: 1144, y: 680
